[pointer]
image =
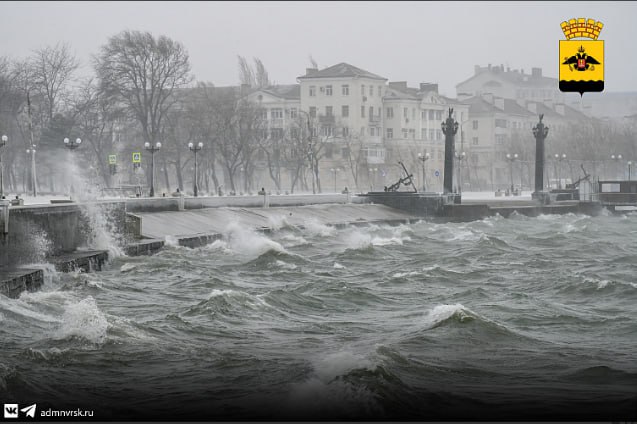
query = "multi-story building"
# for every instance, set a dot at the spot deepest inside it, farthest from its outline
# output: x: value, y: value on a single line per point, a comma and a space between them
x: 412, y: 121
x: 365, y: 126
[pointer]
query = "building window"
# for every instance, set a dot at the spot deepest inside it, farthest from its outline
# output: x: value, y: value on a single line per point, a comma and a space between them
x: 413, y: 113
x: 345, y: 89
x: 328, y: 110
x: 474, y: 141
x: 474, y: 158
x: 423, y: 114
x: 412, y: 133
x: 328, y: 150
x: 405, y: 111
x: 345, y: 111
x: 431, y: 115
x: 276, y: 113
x: 276, y: 133
x: 438, y: 135
x: 293, y: 113
x: 371, y: 91
x: 314, y: 131
x: 380, y: 91
x: 312, y: 90
x: 371, y: 112
x: 501, y: 123
x: 438, y: 114
x: 362, y: 111
x: 345, y: 152
x: 372, y: 131
x: 345, y: 131
x: 405, y: 132
x: 362, y: 131
x: 294, y: 133
x: 362, y: 89
x: 390, y: 133
x: 390, y: 112
x: 312, y: 112
x: 327, y: 131
x: 263, y: 114
x: 475, y: 125
x: 432, y: 135
x: 328, y: 90
x: 423, y: 134
x: 500, y: 139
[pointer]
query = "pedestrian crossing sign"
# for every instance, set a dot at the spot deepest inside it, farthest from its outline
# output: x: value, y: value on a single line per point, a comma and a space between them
x: 137, y: 157
x: 112, y: 159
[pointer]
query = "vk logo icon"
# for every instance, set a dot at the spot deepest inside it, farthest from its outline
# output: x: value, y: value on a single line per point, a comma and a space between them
x: 11, y: 410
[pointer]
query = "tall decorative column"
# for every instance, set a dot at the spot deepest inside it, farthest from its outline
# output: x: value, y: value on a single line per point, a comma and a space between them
x: 449, y: 128
x: 540, y: 131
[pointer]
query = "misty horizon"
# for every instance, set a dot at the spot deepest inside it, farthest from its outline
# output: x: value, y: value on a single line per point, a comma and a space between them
x: 402, y: 41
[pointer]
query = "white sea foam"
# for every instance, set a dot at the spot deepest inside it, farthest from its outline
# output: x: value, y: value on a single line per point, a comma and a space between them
x: 23, y: 308
x: 294, y: 240
x: 316, y: 228
x: 339, y: 363
x: 248, y: 242
x: 323, y: 390
x: 285, y: 265
x: 127, y: 267
x: 405, y: 274
x: 338, y: 266
x: 85, y: 320
x: 276, y: 222
x: 441, y: 313
x: 171, y: 241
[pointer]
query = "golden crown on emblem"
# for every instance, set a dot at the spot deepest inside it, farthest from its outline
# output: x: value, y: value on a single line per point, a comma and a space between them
x: 581, y: 28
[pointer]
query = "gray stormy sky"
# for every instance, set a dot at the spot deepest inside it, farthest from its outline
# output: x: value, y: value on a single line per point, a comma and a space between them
x: 436, y: 42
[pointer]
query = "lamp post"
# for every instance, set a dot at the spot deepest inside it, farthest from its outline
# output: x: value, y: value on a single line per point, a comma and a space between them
x: 31, y: 151
x: 195, y: 149
x: 511, y: 158
x: 629, y: 165
x: 558, y: 168
x: 424, y: 158
x: 334, y: 171
x: 372, y: 172
x: 71, y: 145
x: 616, y: 158
x: 3, y: 142
x: 152, y: 150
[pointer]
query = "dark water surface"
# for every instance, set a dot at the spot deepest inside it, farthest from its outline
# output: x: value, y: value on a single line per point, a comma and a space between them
x: 514, y: 319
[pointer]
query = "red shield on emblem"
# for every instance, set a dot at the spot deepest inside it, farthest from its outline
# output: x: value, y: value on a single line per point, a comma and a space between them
x: 581, y: 63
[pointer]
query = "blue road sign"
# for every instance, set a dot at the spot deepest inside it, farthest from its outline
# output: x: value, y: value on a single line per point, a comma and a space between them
x: 437, y: 173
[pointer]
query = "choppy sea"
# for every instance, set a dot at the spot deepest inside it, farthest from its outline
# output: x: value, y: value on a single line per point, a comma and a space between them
x: 498, y: 319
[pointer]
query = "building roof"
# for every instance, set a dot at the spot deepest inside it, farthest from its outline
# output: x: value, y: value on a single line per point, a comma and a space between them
x: 342, y: 70
x: 514, y: 77
x: 285, y: 91
x: 408, y: 94
x: 512, y: 107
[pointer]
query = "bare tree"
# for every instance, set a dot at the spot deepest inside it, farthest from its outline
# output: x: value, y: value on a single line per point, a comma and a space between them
x: 143, y: 72
x: 53, y: 68
x: 253, y: 77
x: 355, y: 154
x: 246, y: 74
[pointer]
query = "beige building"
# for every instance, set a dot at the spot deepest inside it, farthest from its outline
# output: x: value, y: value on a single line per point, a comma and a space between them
x: 364, y: 126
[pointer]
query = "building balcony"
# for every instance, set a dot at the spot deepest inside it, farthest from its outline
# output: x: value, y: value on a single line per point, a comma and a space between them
x: 372, y: 160
x: 374, y: 118
x: 276, y: 123
x: 326, y: 119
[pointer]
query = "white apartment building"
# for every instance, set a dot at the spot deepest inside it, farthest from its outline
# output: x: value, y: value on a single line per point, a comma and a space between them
x: 366, y: 125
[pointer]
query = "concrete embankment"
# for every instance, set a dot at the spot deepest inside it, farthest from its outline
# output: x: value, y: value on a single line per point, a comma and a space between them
x: 202, y: 226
